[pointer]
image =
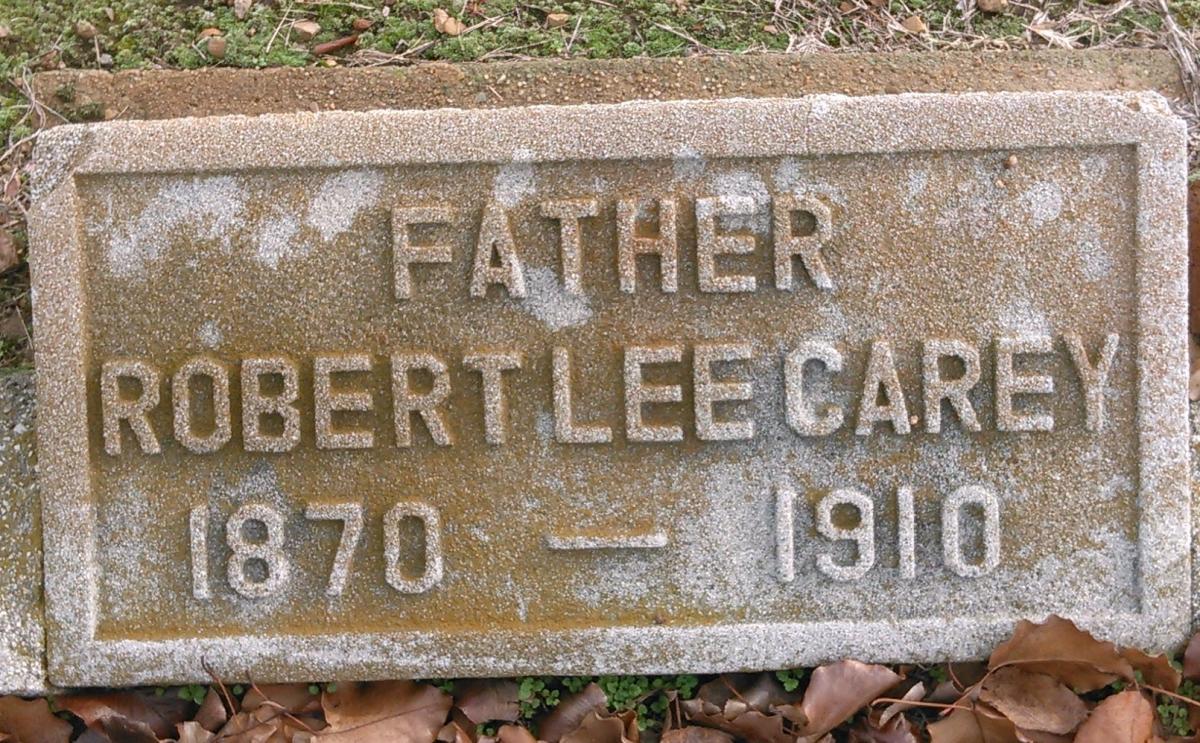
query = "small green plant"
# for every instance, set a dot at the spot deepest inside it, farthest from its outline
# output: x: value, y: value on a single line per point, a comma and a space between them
x: 194, y: 693
x: 535, y: 696
x: 790, y: 678
x: 1174, y: 718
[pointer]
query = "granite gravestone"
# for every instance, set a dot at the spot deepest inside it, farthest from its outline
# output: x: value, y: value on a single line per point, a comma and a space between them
x: 639, y: 388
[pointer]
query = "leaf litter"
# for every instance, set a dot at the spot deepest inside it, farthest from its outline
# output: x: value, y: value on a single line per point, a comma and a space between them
x: 1051, y: 682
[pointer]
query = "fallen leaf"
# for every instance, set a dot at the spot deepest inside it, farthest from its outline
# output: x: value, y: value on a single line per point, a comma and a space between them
x: 1127, y: 717
x: 241, y: 8
x: 1033, y: 701
x: 915, y: 694
x: 455, y: 732
x: 896, y: 730
x: 914, y: 25
x: 838, y: 690
x: 32, y: 721
x: 514, y: 734
x: 992, y: 6
x: 8, y: 252
x: 602, y: 727
x: 296, y: 699
x: 444, y: 23
x: 1061, y: 650
x: 975, y: 725
x: 267, y: 724
x: 571, y: 711
x: 694, y: 734
x: 192, y: 732
x: 1194, y: 378
x: 212, y: 713
x: 1191, y: 657
x: 329, y: 47
x: 1156, y: 670
x: 217, y: 45
x: 85, y: 30
x: 484, y: 700
x: 384, y: 711
x: 159, y: 715
x: 306, y: 30
x: 557, y: 20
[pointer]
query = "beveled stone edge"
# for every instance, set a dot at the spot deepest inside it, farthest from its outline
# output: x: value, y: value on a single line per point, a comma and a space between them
x: 1004, y: 121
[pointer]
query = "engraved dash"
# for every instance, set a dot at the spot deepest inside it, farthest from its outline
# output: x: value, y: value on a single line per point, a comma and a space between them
x: 653, y: 540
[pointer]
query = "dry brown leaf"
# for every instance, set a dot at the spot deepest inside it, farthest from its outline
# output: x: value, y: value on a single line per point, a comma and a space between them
x: 384, y: 711
x: 329, y: 47
x: 1156, y: 670
x: 1191, y: 659
x: 212, y: 713
x: 192, y: 732
x: 602, y: 727
x: 694, y: 734
x: 8, y: 252
x: 483, y: 700
x: 32, y: 721
x: 975, y: 725
x: 454, y: 732
x: 1033, y: 701
x: 267, y: 724
x: 895, y: 730
x: 444, y: 23
x: 1127, y: 717
x: 159, y: 715
x: 914, y: 24
x: 1061, y: 650
x: 570, y: 713
x: 514, y: 734
x: 838, y: 690
x: 915, y: 693
x: 294, y: 698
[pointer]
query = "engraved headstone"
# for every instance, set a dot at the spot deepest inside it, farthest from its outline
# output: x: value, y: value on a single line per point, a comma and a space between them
x: 630, y: 388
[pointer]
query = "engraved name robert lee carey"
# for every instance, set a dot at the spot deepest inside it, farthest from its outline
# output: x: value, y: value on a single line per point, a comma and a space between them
x: 270, y: 413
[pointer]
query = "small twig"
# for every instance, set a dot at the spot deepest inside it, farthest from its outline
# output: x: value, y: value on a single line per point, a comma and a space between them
x: 1171, y: 694
x: 911, y: 703
x: 686, y: 37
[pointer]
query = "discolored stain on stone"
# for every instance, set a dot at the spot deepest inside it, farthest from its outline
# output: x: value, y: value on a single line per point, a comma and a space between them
x: 649, y: 387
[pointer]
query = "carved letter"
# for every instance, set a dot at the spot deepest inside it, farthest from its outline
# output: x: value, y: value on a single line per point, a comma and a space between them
x: 490, y: 366
x: 565, y: 429
x: 799, y: 417
x: 181, y: 398
x: 802, y: 419
x: 116, y: 408
x: 881, y: 372
x: 255, y: 405
x: 630, y: 245
x: 789, y: 245
x: 405, y: 402
x: 1008, y: 383
x: 568, y: 214
x: 495, y: 238
x: 1092, y: 378
x: 954, y: 390
x: 709, y: 244
x: 326, y: 401
x: 637, y: 393
x: 404, y: 252
x: 709, y: 392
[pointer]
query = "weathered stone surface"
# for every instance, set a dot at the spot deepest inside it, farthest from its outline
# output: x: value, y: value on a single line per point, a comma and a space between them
x: 22, y: 639
x: 698, y: 459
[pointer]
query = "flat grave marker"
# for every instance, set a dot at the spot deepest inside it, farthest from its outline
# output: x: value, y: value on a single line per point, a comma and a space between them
x: 638, y: 388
